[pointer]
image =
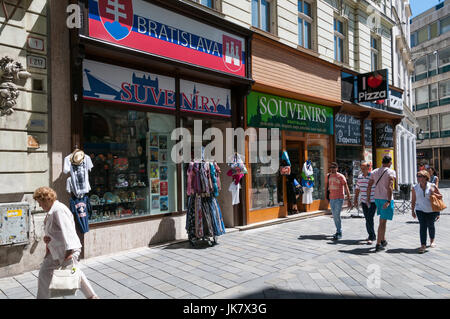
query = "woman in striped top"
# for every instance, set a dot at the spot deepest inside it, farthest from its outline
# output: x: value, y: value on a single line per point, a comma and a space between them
x: 361, y: 190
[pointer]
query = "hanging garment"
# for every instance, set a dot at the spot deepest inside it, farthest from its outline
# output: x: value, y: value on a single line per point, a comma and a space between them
x: 81, y: 210
x: 307, y: 195
x: 78, y: 182
x: 216, y: 214
x: 215, y: 187
x: 219, y: 183
x: 190, y: 177
x: 234, y: 189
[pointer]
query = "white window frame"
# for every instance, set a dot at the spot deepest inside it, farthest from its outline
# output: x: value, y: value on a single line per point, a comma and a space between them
x: 343, y: 37
x: 271, y: 19
x: 376, y: 51
x: 216, y: 4
x: 307, y: 19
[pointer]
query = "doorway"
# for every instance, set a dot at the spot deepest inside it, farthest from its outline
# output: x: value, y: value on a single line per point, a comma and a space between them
x: 296, y: 152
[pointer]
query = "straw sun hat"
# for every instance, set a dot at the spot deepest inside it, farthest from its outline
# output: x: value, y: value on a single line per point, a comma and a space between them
x: 77, y: 157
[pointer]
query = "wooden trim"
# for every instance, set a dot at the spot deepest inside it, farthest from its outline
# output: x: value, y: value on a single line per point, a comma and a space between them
x: 260, y: 215
x: 271, y: 89
x: 259, y: 36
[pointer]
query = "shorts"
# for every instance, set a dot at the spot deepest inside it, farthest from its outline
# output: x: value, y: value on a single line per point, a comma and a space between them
x: 387, y: 213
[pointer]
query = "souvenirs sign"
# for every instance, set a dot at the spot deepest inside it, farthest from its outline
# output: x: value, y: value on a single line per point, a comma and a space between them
x: 270, y: 111
x: 373, y: 86
x: 105, y: 82
x: 144, y: 26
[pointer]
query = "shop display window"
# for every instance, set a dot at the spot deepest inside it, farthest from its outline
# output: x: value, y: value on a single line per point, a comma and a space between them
x: 349, y: 160
x: 316, y: 156
x: 266, y: 190
x: 133, y: 174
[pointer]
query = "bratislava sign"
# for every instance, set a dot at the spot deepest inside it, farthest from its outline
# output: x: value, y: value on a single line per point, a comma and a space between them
x: 143, y: 26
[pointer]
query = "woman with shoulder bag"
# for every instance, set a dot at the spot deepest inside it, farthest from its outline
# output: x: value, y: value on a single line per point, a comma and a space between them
x: 421, y: 207
x: 63, y: 247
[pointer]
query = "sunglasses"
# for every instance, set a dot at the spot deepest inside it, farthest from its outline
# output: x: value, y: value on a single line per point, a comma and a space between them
x: 420, y: 176
x: 333, y: 167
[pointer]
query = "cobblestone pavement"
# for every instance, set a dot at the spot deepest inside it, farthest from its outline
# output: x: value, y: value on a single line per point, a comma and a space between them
x: 290, y: 260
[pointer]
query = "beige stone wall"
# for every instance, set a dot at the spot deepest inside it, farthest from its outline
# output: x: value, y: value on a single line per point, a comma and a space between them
x: 23, y: 169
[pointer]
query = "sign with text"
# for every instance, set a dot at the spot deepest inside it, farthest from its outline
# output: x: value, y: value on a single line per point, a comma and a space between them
x: 384, y: 135
x: 348, y: 129
x: 270, y: 111
x: 144, y: 26
x: 111, y: 83
x: 373, y: 86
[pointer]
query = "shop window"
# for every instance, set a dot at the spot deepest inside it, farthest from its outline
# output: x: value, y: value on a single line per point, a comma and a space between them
x: 444, y: 92
x: 421, y: 97
x: 339, y: 40
x: 262, y: 14
x: 445, y: 125
x: 317, y: 157
x: 348, y: 159
x: 133, y: 173
x: 305, y: 23
x: 266, y: 190
x: 375, y: 52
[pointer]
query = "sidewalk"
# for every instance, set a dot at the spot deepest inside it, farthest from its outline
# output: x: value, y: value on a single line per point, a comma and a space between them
x: 288, y: 260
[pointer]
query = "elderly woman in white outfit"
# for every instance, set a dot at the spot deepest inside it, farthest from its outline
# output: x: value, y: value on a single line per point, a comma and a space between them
x: 63, y: 245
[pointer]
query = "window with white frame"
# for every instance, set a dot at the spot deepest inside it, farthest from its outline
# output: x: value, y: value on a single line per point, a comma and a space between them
x: 305, y: 23
x: 444, y: 57
x: 213, y: 4
x: 339, y: 40
x: 374, y: 52
x: 445, y: 122
x: 445, y: 24
x: 261, y: 14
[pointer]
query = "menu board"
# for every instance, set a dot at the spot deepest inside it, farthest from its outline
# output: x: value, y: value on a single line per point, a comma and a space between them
x: 384, y: 135
x: 348, y: 129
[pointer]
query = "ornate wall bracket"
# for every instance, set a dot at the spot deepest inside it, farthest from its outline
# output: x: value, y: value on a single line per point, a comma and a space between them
x: 12, y: 70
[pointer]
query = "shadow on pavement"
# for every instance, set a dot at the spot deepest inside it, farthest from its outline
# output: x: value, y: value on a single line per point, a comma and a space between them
x: 315, y: 237
x: 402, y: 251
x: 349, y: 242
x: 275, y: 293
x: 359, y: 251
x: 412, y: 222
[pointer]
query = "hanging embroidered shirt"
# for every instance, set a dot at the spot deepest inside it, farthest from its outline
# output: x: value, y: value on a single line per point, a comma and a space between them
x: 78, y: 182
x: 81, y: 210
x: 234, y: 189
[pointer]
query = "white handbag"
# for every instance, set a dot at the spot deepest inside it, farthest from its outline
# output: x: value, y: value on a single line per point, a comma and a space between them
x: 65, y: 282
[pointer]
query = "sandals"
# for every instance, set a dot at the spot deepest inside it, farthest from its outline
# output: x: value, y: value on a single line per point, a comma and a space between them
x: 421, y: 250
x: 433, y: 245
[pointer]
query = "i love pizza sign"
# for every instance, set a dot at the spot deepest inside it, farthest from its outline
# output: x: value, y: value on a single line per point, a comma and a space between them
x: 373, y: 86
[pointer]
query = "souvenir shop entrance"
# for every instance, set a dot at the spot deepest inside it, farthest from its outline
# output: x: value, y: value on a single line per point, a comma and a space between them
x: 296, y: 152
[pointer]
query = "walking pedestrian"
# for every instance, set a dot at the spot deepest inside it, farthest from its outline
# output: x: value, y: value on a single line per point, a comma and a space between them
x: 63, y: 247
x: 421, y: 207
x: 369, y: 210
x: 337, y: 184
x: 434, y: 179
x: 383, y: 178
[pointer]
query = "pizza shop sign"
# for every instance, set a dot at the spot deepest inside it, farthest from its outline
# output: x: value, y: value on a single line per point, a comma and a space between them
x: 373, y: 86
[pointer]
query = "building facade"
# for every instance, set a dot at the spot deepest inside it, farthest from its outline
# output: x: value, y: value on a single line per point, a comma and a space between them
x: 119, y: 86
x: 430, y: 50
x: 25, y: 128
